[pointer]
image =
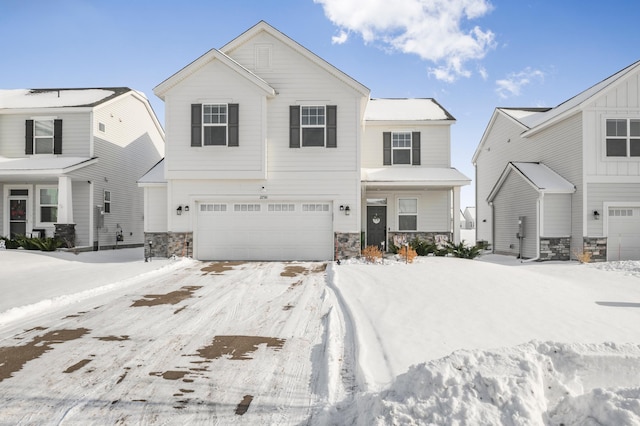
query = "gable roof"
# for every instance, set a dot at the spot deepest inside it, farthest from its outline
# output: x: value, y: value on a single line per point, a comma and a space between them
x: 58, y: 97
x: 414, y: 109
x: 264, y: 26
x: 538, y: 122
x: 539, y: 176
x: 161, y: 89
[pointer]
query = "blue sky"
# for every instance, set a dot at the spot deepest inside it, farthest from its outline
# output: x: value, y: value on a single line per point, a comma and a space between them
x: 470, y: 55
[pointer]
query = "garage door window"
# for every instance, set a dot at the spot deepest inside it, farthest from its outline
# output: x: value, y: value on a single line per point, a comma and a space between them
x: 315, y: 207
x: 282, y: 207
x: 213, y: 207
x: 620, y: 212
x: 246, y: 207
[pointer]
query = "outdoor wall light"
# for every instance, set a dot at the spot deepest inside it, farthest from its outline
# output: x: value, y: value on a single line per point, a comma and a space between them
x: 347, y: 210
x: 186, y: 209
x: 596, y: 215
x: 341, y: 208
x: 179, y: 210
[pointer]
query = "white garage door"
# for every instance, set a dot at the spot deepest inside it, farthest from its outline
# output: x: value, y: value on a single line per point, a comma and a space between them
x: 264, y: 231
x: 623, y: 240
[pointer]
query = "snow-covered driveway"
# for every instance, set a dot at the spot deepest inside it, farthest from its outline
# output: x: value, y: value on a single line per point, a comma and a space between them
x: 199, y: 345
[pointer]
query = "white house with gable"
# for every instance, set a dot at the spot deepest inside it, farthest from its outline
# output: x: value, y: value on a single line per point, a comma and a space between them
x: 555, y: 183
x: 275, y: 154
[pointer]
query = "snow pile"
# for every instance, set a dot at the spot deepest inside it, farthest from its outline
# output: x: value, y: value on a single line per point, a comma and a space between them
x: 530, y: 384
x: 628, y: 267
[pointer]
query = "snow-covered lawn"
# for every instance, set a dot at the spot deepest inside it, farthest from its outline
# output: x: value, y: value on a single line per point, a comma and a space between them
x: 104, y: 338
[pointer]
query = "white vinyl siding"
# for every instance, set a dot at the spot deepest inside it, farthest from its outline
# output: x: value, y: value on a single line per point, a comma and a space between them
x: 516, y: 199
x: 557, y: 215
x: 559, y: 147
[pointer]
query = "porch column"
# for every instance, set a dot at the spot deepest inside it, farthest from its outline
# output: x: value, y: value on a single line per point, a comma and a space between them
x: 456, y: 214
x: 65, y: 200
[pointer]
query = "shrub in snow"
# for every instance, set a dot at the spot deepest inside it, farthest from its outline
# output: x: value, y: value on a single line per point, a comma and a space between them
x: 372, y: 254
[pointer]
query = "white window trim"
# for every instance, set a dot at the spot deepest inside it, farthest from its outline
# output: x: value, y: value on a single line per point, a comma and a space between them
x: 35, y: 137
x: 313, y: 126
x: 398, y: 214
x: 628, y: 138
x: 39, y: 222
x: 7, y: 197
x: 410, y: 148
x: 225, y: 124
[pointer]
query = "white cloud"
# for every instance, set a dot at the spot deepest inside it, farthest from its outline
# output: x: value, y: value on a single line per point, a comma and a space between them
x: 431, y: 29
x: 513, y: 83
x: 340, y: 38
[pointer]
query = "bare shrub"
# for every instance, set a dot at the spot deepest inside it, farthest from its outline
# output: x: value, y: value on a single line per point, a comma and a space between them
x: 372, y: 254
x: 407, y: 253
x: 584, y: 257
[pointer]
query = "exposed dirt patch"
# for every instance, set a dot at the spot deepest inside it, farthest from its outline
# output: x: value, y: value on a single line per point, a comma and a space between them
x: 220, y: 267
x: 113, y: 338
x: 293, y: 271
x: 244, y: 405
x: 177, y: 311
x: 287, y: 307
x: 77, y: 366
x: 238, y: 347
x: 13, y: 358
x: 170, y: 298
x: 170, y: 375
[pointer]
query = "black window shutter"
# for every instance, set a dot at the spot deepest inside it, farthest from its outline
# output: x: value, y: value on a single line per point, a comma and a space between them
x: 28, y: 144
x: 196, y: 124
x: 232, y: 124
x: 294, y: 126
x: 415, y: 148
x: 386, y: 148
x: 332, y: 137
x: 57, y: 136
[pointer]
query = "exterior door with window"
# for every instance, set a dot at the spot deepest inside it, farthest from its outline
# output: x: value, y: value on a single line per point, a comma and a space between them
x: 377, y: 226
x: 18, y: 215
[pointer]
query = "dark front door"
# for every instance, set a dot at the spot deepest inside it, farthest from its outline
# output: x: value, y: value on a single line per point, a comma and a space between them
x: 377, y: 226
x: 17, y: 217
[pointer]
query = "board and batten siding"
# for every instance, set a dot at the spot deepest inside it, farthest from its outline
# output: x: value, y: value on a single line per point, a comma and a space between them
x: 434, y: 143
x: 516, y: 198
x: 76, y: 132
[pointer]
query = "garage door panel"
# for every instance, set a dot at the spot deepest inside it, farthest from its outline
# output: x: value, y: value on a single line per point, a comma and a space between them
x: 290, y: 233
x: 623, y: 239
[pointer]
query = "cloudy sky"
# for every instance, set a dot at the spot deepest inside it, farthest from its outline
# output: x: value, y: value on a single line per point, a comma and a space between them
x: 470, y: 55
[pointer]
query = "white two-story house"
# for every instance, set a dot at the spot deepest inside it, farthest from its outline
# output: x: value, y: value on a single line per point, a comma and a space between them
x: 554, y: 183
x: 270, y: 156
x: 69, y: 164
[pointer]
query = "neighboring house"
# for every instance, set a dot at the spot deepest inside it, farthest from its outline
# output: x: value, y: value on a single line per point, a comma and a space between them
x: 468, y: 220
x: 274, y: 154
x: 69, y: 164
x: 554, y: 183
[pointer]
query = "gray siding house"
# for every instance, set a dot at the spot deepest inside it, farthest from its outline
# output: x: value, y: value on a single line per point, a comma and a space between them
x: 69, y: 164
x: 555, y: 183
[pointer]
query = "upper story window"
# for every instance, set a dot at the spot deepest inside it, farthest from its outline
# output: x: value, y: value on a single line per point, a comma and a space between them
x: 623, y: 137
x: 312, y: 123
x: 43, y: 136
x: 214, y: 124
x: 401, y: 148
x: 313, y: 126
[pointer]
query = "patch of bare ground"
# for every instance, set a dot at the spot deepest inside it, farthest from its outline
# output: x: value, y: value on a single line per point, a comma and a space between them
x: 220, y: 267
x: 113, y: 338
x: 171, y: 298
x: 243, y: 406
x: 13, y: 358
x: 77, y: 366
x: 295, y: 270
x: 238, y: 347
x: 170, y: 375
